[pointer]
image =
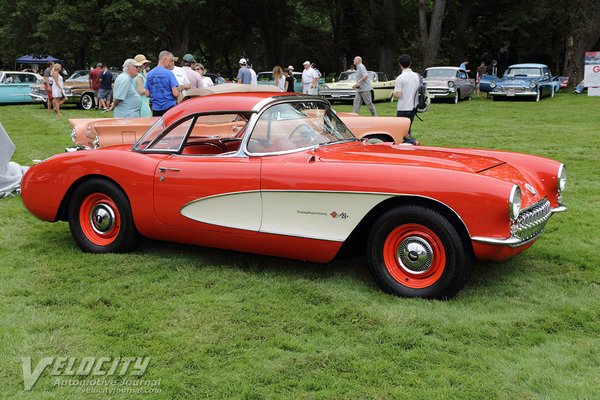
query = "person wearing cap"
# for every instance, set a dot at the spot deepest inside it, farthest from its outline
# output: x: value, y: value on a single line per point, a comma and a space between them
x: 193, y: 77
x: 94, y: 80
x: 244, y: 75
x: 162, y: 85
x: 140, y: 82
x: 310, y: 79
x: 126, y: 98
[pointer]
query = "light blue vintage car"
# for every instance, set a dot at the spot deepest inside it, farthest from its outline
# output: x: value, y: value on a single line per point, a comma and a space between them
x: 522, y: 80
x: 15, y: 86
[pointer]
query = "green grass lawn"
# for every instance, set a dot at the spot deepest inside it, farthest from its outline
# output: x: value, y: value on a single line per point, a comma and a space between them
x: 219, y: 324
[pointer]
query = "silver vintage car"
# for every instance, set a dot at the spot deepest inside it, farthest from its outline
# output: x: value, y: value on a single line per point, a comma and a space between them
x: 448, y: 83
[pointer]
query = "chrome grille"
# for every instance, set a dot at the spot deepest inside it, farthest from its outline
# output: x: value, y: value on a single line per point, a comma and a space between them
x: 531, y: 221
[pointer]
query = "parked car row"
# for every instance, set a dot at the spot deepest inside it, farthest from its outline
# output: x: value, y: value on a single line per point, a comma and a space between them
x: 520, y: 80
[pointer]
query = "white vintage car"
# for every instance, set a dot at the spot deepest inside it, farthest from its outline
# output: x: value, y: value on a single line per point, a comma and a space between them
x: 343, y: 89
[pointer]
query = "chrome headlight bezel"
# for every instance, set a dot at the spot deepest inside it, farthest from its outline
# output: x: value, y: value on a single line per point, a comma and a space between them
x: 561, y: 178
x: 514, y: 203
x: 492, y: 84
x: 324, y: 87
x: 451, y: 84
x: 532, y: 84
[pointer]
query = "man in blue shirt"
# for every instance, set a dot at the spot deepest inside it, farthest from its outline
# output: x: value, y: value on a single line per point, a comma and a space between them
x: 244, y: 75
x: 162, y: 85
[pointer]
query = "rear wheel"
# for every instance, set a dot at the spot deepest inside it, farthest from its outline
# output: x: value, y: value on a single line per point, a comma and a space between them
x: 100, y: 218
x: 414, y: 251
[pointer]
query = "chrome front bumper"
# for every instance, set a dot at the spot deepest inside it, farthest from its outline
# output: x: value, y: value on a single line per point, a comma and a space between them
x: 528, y: 226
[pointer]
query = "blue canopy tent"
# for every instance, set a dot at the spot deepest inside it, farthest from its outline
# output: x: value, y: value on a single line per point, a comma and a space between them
x: 32, y: 59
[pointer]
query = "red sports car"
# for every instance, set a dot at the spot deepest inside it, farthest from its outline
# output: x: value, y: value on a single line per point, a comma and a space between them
x: 295, y: 182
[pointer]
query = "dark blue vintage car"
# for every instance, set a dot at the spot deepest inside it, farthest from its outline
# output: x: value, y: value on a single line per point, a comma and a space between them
x: 522, y: 80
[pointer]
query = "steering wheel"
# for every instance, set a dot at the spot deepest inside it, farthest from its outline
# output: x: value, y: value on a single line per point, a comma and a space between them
x: 304, y: 133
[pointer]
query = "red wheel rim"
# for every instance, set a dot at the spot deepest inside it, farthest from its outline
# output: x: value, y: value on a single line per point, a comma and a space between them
x: 99, y: 219
x: 414, y: 255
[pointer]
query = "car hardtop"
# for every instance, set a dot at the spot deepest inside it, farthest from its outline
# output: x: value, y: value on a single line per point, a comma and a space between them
x: 246, y: 102
x: 528, y: 65
x: 449, y: 68
x: 348, y: 76
x: 30, y: 77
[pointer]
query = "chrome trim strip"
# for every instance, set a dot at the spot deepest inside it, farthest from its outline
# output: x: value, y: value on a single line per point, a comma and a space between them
x: 558, y: 209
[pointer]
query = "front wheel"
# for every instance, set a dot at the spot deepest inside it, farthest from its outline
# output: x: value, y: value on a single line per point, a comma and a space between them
x: 538, y: 95
x: 100, y: 218
x: 414, y: 251
x: 456, y: 97
x: 87, y: 101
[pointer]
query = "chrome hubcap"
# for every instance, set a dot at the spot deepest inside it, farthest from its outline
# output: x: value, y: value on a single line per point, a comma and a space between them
x: 102, y: 218
x: 415, y: 255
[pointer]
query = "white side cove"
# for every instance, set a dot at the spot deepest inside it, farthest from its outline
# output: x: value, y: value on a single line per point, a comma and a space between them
x: 315, y: 215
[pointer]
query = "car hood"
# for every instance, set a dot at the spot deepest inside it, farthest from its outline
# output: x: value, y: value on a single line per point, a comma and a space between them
x: 437, y: 81
x: 516, y: 82
x: 473, y: 161
x: 342, y: 85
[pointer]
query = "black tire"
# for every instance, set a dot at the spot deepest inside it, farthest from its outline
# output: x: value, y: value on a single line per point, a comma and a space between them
x: 86, y: 101
x: 435, y: 263
x: 382, y: 137
x: 100, y: 218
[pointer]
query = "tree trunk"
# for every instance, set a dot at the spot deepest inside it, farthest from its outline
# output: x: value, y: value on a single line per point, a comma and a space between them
x: 460, y: 32
x: 430, y: 34
x: 583, y: 35
x: 387, y: 52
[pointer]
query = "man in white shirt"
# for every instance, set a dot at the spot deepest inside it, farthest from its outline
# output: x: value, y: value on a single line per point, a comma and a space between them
x: 181, y: 76
x: 407, y: 85
x: 310, y: 79
x: 253, y: 80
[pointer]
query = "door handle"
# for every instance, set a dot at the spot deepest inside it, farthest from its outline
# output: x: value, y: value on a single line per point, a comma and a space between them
x: 163, y: 169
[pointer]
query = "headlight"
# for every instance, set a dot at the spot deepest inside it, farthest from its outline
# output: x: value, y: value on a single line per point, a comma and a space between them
x: 324, y: 87
x: 492, y: 84
x: 532, y: 84
x: 451, y: 84
x: 562, y: 177
x: 68, y: 91
x: 514, y: 203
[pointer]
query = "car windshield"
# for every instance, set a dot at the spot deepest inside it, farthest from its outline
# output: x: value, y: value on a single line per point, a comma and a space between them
x: 81, y: 75
x: 347, y: 76
x: 150, y: 135
x: 297, y: 125
x: 440, y: 73
x: 264, y: 77
x: 523, y: 72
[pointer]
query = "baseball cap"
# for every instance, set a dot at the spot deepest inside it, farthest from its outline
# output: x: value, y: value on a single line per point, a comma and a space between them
x: 189, y: 58
x: 175, y: 58
x: 130, y: 61
x: 290, y: 67
x: 243, y: 61
x: 306, y: 63
x: 141, y: 59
